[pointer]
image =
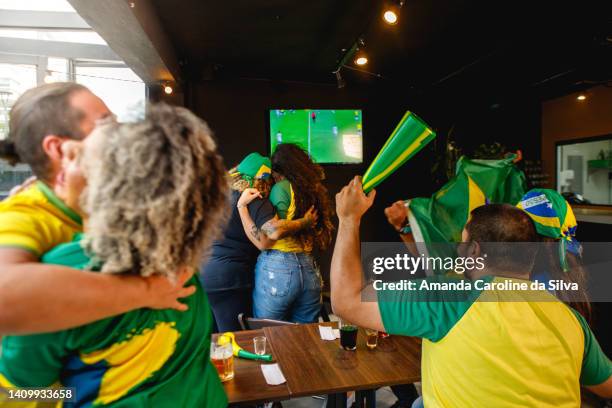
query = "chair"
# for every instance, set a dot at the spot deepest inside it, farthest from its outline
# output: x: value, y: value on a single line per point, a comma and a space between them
x: 325, y: 306
x: 252, y: 323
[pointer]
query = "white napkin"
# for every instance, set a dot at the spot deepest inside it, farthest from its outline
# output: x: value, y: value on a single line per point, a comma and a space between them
x: 329, y: 333
x: 273, y: 374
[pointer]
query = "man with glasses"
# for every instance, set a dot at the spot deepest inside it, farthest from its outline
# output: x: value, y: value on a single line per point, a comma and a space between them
x: 40, y: 298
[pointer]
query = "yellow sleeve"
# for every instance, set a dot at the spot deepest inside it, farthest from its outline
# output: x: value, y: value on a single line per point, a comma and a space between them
x: 23, y: 229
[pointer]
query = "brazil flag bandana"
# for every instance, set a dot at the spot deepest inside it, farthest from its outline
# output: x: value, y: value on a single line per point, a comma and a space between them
x: 553, y: 217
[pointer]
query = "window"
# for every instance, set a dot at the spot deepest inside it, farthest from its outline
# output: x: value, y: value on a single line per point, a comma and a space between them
x: 61, y: 48
x: 121, y: 90
x: 584, y: 171
x: 14, y: 80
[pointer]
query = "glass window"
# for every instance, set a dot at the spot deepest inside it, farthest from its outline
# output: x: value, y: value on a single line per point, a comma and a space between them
x: 36, y: 5
x: 58, y: 70
x: 121, y: 89
x: 584, y: 171
x: 14, y: 80
x: 112, y: 81
x: 82, y: 37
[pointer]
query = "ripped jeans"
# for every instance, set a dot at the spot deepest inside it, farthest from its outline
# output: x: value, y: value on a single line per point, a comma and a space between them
x: 287, y: 287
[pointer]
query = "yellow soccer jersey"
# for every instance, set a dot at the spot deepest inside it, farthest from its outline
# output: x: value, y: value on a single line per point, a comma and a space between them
x: 36, y: 220
x: 282, y: 198
x: 487, y: 348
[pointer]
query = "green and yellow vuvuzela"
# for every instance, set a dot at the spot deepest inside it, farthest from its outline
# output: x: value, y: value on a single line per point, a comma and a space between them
x: 410, y: 136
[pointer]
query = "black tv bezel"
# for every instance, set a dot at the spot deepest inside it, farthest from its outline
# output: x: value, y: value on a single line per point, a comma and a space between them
x: 328, y: 164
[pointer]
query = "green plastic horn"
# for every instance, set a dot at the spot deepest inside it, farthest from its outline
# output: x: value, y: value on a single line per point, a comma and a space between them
x: 229, y: 337
x: 409, y: 136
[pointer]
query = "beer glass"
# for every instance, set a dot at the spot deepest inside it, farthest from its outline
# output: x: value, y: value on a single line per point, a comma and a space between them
x: 371, y: 338
x: 222, y: 358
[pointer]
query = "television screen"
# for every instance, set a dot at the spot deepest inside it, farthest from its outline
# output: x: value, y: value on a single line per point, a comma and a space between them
x: 328, y: 135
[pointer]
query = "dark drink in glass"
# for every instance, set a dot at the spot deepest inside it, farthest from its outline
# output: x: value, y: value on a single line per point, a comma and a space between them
x: 348, y: 336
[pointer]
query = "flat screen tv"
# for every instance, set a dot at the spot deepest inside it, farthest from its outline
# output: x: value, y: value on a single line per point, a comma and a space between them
x: 328, y: 135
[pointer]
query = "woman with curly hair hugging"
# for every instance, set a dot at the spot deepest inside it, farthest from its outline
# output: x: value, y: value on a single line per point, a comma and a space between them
x: 153, y: 196
x: 287, y: 280
x: 227, y: 277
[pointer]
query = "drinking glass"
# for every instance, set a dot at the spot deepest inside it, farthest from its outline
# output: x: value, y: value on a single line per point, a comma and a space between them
x: 222, y: 358
x: 348, y: 335
x: 260, y: 345
x: 371, y: 338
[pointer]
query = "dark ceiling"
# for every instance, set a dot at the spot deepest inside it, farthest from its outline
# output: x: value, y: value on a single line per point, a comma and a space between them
x: 447, y: 43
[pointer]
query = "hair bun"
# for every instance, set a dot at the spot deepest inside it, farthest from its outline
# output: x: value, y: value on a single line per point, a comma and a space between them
x: 8, y: 152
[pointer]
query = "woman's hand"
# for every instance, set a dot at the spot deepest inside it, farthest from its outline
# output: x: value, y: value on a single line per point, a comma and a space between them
x: 396, y: 214
x: 247, y: 196
x: 311, y: 217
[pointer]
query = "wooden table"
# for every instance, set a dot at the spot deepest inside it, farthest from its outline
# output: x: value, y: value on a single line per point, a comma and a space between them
x: 249, y: 385
x: 313, y: 366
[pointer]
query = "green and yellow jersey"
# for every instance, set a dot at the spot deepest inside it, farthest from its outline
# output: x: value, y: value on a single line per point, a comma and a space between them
x: 143, y: 358
x: 36, y: 220
x: 282, y: 198
x: 488, y: 349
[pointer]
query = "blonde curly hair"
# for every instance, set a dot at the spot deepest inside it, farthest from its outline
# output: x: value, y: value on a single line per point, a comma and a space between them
x: 157, y: 194
x: 238, y: 183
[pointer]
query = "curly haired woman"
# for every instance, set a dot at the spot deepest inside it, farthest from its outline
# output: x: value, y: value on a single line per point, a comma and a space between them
x: 287, y: 280
x: 227, y: 277
x: 153, y: 196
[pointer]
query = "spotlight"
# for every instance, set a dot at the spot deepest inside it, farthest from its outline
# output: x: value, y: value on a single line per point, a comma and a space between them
x: 361, y: 60
x: 391, y: 13
x: 581, y: 97
x: 390, y: 17
x: 168, y: 89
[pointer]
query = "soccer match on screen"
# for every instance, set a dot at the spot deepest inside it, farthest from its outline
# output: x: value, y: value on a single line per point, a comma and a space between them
x: 329, y: 136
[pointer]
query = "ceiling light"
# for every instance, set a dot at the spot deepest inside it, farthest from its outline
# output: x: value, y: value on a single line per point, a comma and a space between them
x: 581, y: 97
x: 390, y: 17
x: 361, y: 60
x: 168, y: 89
x: 392, y: 11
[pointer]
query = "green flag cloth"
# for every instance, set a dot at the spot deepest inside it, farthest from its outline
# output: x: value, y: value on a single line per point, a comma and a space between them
x: 409, y: 136
x: 441, y: 218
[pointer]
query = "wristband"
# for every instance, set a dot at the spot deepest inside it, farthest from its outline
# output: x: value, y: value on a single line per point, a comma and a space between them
x: 406, y: 229
x: 241, y: 206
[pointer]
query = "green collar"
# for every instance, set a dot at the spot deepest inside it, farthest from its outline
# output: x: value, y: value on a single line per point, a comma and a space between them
x: 57, y: 202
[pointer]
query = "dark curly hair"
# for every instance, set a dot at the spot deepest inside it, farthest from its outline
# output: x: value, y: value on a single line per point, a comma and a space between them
x: 306, y: 179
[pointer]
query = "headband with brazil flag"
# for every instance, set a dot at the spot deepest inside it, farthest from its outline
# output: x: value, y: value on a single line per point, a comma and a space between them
x: 553, y: 217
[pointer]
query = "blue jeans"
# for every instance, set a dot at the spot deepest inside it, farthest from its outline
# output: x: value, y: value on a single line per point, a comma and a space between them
x: 287, y: 287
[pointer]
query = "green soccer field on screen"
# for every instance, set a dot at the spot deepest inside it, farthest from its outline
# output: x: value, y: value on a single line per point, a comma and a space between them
x: 329, y: 136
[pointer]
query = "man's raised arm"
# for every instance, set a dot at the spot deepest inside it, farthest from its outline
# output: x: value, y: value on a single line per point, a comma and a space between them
x: 346, y: 273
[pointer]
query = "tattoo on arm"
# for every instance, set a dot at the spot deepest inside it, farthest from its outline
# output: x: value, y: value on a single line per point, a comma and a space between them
x: 255, y: 232
x: 268, y: 228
